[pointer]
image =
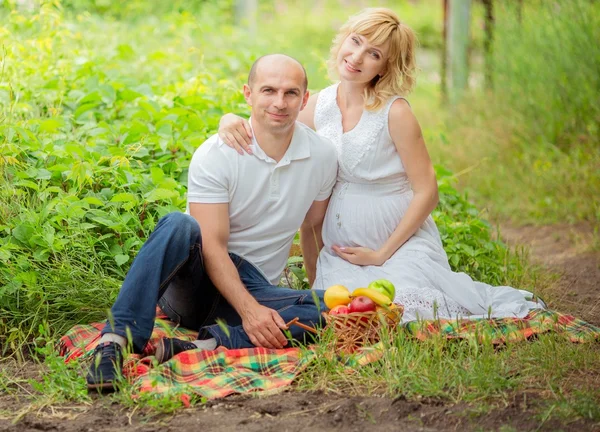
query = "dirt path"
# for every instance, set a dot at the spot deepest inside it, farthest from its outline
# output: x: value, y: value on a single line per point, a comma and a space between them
x: 572, y: 254
x: 292, y: 411
x: 568, y: 252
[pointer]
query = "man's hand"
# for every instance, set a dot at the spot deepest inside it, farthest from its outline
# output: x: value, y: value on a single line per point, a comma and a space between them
x: 263, y: 326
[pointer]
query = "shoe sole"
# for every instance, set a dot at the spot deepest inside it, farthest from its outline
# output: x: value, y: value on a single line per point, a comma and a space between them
x: 107, y: 387
x: 160, y: 352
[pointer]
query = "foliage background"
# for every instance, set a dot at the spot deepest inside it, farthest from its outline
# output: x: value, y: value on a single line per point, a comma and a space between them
x: 102, y: 104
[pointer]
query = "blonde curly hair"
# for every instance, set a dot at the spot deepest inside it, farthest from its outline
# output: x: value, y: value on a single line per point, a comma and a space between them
x: 379, y: 25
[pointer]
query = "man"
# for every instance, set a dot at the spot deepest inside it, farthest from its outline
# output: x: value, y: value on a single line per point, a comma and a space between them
x: 215, y: 268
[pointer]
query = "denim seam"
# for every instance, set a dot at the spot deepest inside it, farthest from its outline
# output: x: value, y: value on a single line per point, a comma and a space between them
x: 199, y: 246
x: 285, y: 308
x: 214, y: 334
x: 259, y: 271
x: 239, y: 264
x: 174, y: 272
x: 281, y: 298
x: 301, y: 299
x: 171, y: 310
x: 212, y: 309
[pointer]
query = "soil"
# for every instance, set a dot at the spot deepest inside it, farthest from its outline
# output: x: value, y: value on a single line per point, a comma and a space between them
x: 571, y: 254
x: 294, y: 411
x: 567, y: 252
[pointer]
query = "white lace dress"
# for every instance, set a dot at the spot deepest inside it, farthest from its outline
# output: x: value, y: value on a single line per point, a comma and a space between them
x: 370, y: 198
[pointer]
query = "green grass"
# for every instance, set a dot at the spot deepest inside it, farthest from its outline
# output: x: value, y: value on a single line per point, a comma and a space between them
x: 530, y: 147
x: 95, y: 140
x: 510, y: 173
x: 98, y: 120
x: 559, y: 377
x: 552, y: 369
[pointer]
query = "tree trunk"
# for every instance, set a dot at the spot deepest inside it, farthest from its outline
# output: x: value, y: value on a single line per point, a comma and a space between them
x: 444, y: 71
x: 488, y: 42
x: 246, y: 12
x: 458, y: 46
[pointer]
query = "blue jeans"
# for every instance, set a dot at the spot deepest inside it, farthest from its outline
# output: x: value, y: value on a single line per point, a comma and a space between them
x: 169, y: 270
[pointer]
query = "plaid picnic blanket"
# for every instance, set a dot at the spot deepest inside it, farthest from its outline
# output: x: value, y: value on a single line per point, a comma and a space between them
x: 218, y: 373
x: 209, y: 374
x: 502, y: 330
x: 496, y: 331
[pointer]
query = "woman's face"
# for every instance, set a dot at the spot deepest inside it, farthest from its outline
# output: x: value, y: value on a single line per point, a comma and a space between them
x: 359, y: 61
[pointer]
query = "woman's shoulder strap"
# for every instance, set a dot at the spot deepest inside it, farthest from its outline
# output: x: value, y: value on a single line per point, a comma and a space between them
x: 328, y: 94
x: 385, y: 112
x: 326, y: 100
x: 391, y: 101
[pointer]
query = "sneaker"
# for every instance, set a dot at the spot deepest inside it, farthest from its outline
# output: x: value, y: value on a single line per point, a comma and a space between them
x: 106, y: 368
x: 168, y: 347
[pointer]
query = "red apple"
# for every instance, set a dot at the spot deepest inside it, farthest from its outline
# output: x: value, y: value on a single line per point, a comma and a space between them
x: 339, y: 310
x: 362, y: 304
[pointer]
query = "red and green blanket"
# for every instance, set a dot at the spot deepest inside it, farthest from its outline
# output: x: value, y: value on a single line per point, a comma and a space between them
x: 218, y: 373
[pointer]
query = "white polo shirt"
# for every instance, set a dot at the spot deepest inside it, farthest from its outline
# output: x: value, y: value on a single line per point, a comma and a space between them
x: 267, y: 200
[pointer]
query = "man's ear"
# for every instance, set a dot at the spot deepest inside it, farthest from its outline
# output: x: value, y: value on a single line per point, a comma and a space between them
x: 247, y: 94
x: 305, y: 99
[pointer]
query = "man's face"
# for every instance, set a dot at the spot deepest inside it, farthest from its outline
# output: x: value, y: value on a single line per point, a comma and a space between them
x: 277, y: 95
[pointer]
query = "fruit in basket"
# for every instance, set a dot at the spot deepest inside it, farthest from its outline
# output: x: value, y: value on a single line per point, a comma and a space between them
x: 392, y: 312
x: 340, y: 310
x: 362, y: 304
x: 384, y: 286
x: 336, y: 295
x: 379, y: 298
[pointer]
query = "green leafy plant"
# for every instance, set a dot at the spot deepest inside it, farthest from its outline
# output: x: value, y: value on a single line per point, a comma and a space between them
x: 102, y: 105
x: 93, y: 156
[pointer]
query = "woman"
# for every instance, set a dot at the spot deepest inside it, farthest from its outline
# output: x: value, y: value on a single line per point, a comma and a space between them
x: 378, y: 223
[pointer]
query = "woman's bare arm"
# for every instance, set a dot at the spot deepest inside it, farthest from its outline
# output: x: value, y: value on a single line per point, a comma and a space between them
x: 408, y: 139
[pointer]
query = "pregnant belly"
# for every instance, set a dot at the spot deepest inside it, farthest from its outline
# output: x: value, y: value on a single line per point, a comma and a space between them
x: 363, y: 219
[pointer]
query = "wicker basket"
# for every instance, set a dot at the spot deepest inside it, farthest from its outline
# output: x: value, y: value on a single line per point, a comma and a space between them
x: 354, y: 330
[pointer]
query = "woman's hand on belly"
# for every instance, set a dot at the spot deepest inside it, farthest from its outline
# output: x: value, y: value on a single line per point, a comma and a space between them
x: 362, y: 256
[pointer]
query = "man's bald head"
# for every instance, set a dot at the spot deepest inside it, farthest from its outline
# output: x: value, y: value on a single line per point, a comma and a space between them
x: 273, y: 61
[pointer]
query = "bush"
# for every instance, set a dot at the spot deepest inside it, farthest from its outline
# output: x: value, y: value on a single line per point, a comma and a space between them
x: 546, y: 66
x: 537, y: 131
x: 94, y: 149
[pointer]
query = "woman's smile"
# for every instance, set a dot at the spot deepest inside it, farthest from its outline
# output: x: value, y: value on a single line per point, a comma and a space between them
x: 350, y: 67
